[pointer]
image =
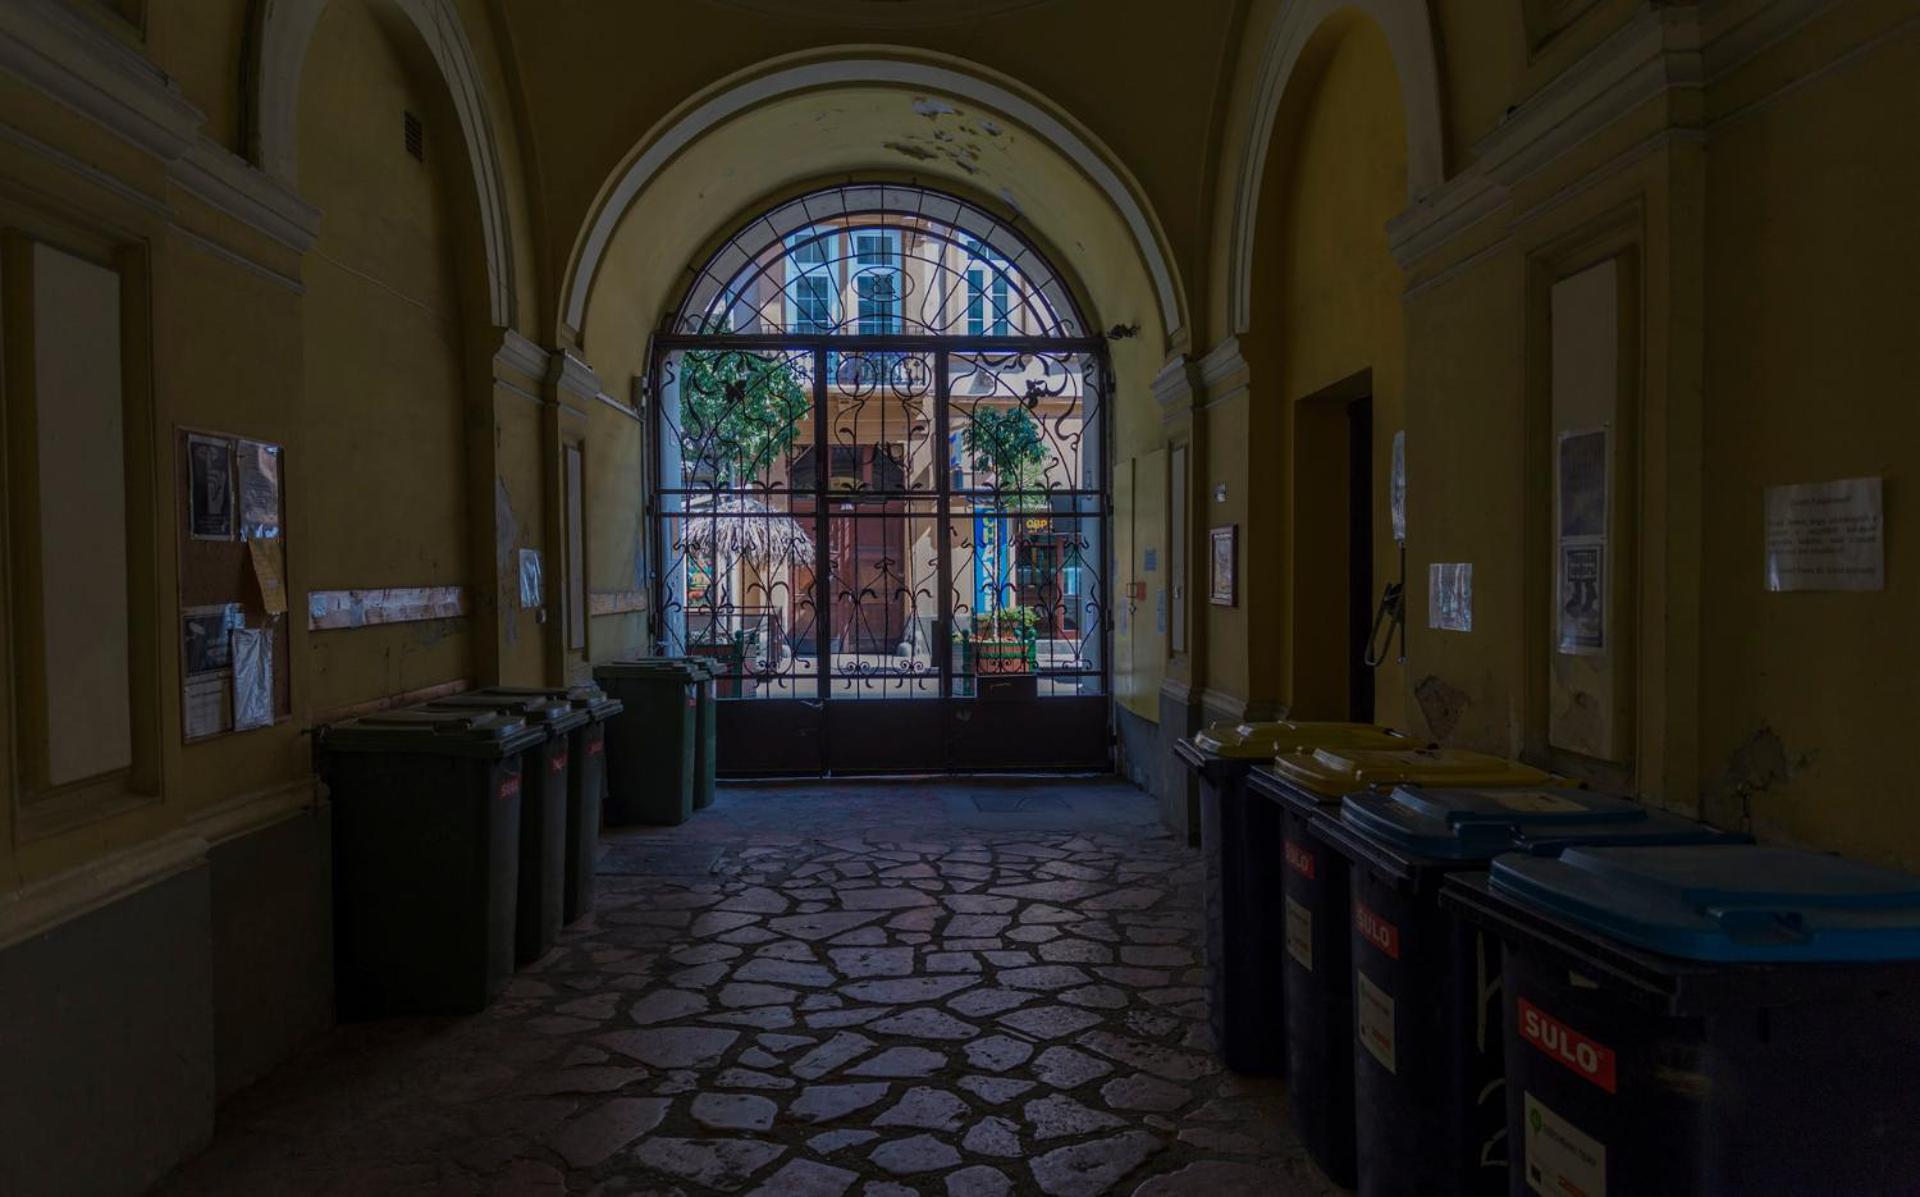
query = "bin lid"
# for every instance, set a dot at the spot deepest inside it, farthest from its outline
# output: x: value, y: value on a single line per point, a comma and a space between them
x: 473, y: 732
x: 1478, y: 823
x: 1259, y: 741
x: 1728, y: 903
x: 1335, y: 772
x: 673, y: 669
x: 545, y: 710
x: 585, y: 694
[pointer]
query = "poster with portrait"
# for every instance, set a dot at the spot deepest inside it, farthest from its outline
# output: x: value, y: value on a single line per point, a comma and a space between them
x: 1221, y: 580
x: 209, y: 487
x: 1580, y: 600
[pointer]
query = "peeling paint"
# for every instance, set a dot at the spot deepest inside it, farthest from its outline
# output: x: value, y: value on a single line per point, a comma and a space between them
x: 931, y: 108
x: 1761, y: 763
x: 990, y: 129
x: 1442, y: 704
x: 917, y: 153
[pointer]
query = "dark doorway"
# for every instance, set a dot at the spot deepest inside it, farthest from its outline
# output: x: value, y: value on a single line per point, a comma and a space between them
x: 1360, y: 677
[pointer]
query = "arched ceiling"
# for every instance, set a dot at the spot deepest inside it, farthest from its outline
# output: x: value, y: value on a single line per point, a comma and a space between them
x: 890, y: 14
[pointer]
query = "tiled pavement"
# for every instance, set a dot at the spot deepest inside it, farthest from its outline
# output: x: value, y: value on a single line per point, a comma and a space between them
x: 876, y: 989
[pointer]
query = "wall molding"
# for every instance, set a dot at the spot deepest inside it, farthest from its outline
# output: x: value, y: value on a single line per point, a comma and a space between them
x: 568, y: 374
x: 1174, y: 387
x: 1660, y: 51
x: 57, y: 50
x: 230, y: 184
x: 1223, y: 373
x: 523, y: 356
x: 1410, y: 39
x: 44, y: 904
x: 860, y: 67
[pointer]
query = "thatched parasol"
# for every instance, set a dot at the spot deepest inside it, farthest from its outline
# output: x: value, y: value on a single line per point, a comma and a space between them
x: 742, y: 526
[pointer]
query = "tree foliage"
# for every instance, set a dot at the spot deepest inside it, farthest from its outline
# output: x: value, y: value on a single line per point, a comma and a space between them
x: 1007, y: 441
x: 740, y: 411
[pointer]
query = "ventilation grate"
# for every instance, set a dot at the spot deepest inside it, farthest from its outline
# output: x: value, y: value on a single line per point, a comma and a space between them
x: 416, y: 138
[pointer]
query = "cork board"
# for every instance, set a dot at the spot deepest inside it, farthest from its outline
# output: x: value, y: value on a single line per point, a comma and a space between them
x: 229, y: 497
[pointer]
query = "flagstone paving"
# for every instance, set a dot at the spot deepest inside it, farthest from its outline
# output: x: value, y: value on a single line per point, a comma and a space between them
x: 841, y: 1009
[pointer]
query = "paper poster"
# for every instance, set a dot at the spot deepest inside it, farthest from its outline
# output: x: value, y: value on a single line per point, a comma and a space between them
x: 532, y: 587
x: 1450, y: 596
x: 266, y: 554
x: 204, y: 705
x: 1397, y: 488
x: 1583, y: 484
x: 1826, y: 536
x: 1583, y: 598
x: 209, y: 487
x: 259, y: 475
x: 252, y: 678
x: 1580, y: 590
x: 205, y: 637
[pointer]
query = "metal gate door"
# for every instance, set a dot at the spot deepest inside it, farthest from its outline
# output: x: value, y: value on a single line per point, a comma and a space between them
x: 889, y: 532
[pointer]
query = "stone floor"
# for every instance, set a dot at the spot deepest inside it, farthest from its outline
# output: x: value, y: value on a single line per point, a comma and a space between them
x: 879, y: 988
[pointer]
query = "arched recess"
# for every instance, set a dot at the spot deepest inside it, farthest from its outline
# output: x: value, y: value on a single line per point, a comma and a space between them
x: 1410, y: 38
x: 938, y: 88
x: 284, y: 31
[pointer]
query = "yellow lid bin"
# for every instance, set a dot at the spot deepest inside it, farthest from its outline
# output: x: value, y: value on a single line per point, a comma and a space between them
x: 1263, y: 741
x: 1338, y: 771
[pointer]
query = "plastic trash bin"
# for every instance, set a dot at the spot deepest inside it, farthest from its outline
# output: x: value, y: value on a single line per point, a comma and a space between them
x: 1315, y: 910
x: 544, y: 799
x: 586, y: 788
x: 1427, y: 1055
x: 1237, y: 842
x: 650, y: 744
x: 426, y: 839
x: 1707, y: 1021
x: 706, y: 733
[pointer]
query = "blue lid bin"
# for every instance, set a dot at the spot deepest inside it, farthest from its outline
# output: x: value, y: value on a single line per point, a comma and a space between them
x: 1431, y: 1117
x: 1706, y: 1020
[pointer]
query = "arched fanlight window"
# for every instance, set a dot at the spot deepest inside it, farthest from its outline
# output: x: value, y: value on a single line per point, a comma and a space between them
x: 878, y: 260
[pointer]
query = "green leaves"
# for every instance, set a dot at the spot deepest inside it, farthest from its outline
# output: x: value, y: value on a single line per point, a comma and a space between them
x: 740, y: 411
x: 1007, y: 441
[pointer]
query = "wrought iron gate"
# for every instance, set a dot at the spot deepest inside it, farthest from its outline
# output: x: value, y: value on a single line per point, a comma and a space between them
x: 879, y: 493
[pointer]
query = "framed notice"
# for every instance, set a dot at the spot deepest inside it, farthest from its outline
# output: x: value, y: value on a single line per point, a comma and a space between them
x: 1222, y: 558
x: 209, y: 487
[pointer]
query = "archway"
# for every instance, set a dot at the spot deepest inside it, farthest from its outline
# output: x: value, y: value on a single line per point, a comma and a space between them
x: 285, y: 32
x: 872, y: 115
x: 880, y: 490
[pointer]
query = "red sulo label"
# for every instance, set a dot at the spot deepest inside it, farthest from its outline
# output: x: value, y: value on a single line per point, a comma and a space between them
x: 558, y: 764
x: 1299, y: 859
x: 692, y: 701
x: 1377, y: 931
x: 596, y: 747
x: 510, y: 788
x: 1575, y: 1051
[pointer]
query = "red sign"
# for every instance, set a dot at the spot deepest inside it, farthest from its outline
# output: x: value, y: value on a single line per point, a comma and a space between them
x: 1299, y: 859
x: 596, y: 747
x: 1577, y: 1052
x: 1377, y: 931
x: 558, y: 764
x: 510, y: 788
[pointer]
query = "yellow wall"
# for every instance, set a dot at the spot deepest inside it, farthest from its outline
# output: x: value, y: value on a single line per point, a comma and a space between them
x: 385, y: 469
x: 1811, y: 361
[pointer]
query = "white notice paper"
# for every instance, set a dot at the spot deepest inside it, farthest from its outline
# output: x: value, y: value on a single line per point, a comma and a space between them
x: 1450, y: 596
x: 252, y: 678
x: 205, y: 705
x: 1826, y: 536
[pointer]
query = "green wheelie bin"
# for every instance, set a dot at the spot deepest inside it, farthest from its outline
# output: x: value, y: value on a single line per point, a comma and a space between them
x: 544, y: 800
x: 426, y: 857
x: 650, y: 744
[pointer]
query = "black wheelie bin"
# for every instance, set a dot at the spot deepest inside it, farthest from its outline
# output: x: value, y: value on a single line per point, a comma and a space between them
x: 1238, y: 840
x: 651, y: 762
x: 1316, y: 913
x: 1427, y: 1057
x: 544, y: 800
x: 426, y: 836
x: 705, y: 734
x: 1706, y: 1021
x: 586, y: 786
